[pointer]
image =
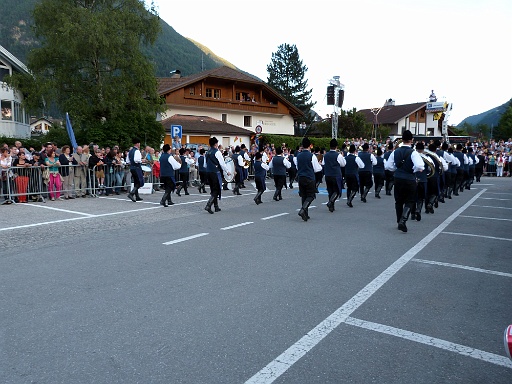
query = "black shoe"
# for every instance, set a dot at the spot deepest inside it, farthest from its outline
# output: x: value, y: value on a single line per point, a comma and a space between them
x: 303, y: 214
x: 186, y: 193
x: 377, y: 196
x: 164, y: 203
x: 402, y: 227
x: 363, y: 199
x: 138, y: 198
x: 131, y: 196
x: 349, y: 203
x: 217, y: 209
x: 275, y: 198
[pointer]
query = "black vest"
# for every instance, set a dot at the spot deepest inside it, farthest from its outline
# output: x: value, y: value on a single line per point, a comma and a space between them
x: 367, y: 160
x: 379, y: 168
x: 460, y: 157
x: 304, y: 165
x: 131, y: 156
x: 259, y: 171
x: 351, y: 168
x: 212, y: 163
x: 165, y: 168
x: 404, y: 164
x: 331, y: 165
x: 184, y: 165
x: 278, y: 167
x: 200, y: 164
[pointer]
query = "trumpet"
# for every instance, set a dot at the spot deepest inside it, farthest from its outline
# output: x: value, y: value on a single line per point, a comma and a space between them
x: 247, y: 163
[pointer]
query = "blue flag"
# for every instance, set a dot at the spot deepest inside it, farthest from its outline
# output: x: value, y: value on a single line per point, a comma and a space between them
x: 71, y: 134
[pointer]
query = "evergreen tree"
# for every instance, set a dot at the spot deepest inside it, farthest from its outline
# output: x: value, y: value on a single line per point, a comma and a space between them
x: 504, y: 130
x: 286, y: 74
x: 90, y: 64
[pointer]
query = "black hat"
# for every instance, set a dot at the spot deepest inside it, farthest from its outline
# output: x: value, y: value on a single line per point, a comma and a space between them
x: 279, y: 151
x: 135, y: 140
x: 420, y: 145
x: 306, y: 143
x: 407, y: 135
x: 213, y: 140
x: 333, y: 143
x: 365, y: 146
x: 166, y: 147
x: 437, y: 143
x: 352, y: 148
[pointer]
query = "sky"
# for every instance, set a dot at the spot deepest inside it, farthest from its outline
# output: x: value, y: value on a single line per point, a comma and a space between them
x: 399, y: 49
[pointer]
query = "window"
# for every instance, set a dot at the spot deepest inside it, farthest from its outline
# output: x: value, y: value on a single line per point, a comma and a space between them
x: 209, y: 92
x: 430, y: 132
x: 191, y: 91
x: 247, y: 121
x: 225, y: 117
x: 3, y: 72
x: 216, y: 93
x: 242, y: 96
x: 6, y: 107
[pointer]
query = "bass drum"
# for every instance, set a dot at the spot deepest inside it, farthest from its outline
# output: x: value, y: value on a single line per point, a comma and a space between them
x: 231, y: 168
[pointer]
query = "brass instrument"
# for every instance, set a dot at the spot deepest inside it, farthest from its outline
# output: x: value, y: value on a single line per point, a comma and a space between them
x: 247, y: 163
x: 429, y: 164
x: 436, y: 158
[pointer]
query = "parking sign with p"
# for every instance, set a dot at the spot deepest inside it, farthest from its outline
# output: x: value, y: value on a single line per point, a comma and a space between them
x: 176, y: 130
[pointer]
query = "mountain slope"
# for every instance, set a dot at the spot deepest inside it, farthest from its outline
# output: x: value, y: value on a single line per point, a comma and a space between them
x: 489, y: 118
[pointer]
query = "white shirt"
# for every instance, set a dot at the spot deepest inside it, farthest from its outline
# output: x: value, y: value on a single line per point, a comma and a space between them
x: 241, y: 161
x: 174, y: 164
x: 286, y: 163
x: 265, y: 166
x: 137, y: 157
x: 340, y: 159
x: 222, y: 163
x: 417, y: 161
x: 373, y: 159
x: 264, y: 157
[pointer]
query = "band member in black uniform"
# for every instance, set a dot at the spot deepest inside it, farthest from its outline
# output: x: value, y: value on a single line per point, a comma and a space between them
x: 307, y: 164
x: 332, y: 163
x: 421, y: 187
x: 379, y: 173
x: 405, y: 162
x: 201, y: 166
x: 366, y: 173
x: 452, y: 171
x: 479, y: 167
x: 279, y: 164
x: 318, y: 174
x: 168, y: 165
x: 459, y: 177
x: 245, y: 171
x: 214, y: 165
x: 186, y: 161
x: 260, y: 174
x: 239, y: 170
x: 353, y: 164
x: 472, y: 166
x: 292, y: 171
x: 433, y: 190
x: 135, y: 159
x: 446, y: 169
x: 389, y: 174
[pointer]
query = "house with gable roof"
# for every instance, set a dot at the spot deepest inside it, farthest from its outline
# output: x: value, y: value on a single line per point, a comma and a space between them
x: 422, y: 119
x: 229, y: 97
x: 14, y: 122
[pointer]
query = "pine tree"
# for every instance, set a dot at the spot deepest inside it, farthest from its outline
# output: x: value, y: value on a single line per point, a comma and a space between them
x: 286, y: 74
x: 90, y: 64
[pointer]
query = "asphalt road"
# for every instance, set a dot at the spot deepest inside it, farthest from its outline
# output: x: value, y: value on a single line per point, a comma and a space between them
x: 109, y: 291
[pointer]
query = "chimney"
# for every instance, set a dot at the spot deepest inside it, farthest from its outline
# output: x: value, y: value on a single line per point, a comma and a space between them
x: 175, y: 74
x: 389, y: 103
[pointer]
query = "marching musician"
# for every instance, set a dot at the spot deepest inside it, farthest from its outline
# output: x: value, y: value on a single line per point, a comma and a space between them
x: 214, y: 164
x: 467, y: 163
x: 245, y: 171
x: 168, y: 164
x: 260, y: 174
x: 135, y: 161
x: 453, y: 172
x: 307, y: 164
x: 186, y: 162
x: 457, y: 185
x: 379, y: 173
x: 433, y: 191
x: 201, y: 165
x: 404, y: 162
x: 366, y: 173
x: 472, y: 167
x: 292, y: 171
x: 279, y: 164
x: 421, y: 187
x: 389, y: 174
x: 353, y: 164
x: 332, y: 163
x: 238, y: 160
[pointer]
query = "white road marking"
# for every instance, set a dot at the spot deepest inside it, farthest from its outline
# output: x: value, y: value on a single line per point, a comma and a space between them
x: 472, y: 235
x: 499, y: 193
x: 45, y: 223
x: 463, y: 267
x: 271, y: 217
x: 486, y: 218
x: 433, y: 342
x: 289, y: 357
x: 494, y: 198
x: 484, y: 184
x: 490, y: 206
x: 237, y: 225
x: 185, y: 238
x: 57, y: 209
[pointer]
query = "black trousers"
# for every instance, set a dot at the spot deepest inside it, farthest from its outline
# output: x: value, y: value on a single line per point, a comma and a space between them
x: 203, y: 177
x: 379, y: 180
x: 292, y: 174
x: 332, y: 186
x: 307, y: 188
x: 279, y: 181
x: 479, y: 171
x: 405, y: 195
x: 365, y: 181
x: 352, y: 184
x: 215, y: 187
x: 390, y: 177
x: 168, y: 183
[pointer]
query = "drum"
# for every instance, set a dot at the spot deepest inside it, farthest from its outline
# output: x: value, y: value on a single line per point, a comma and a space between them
x: 146, y: 168
x: 231, y: 167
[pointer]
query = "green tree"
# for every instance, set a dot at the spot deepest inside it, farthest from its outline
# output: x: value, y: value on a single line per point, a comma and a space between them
x: 504, y: 130
x: 286, y: 73
x: 90, y: 64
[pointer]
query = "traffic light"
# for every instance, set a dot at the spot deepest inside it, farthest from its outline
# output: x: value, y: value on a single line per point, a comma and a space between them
x: 341, y: 95
x: 330, y: 95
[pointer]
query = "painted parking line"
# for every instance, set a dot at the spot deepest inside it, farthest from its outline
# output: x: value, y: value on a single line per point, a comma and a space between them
x: 498, y: 193
x: 490, y: 272
x: 485, y: 218
x: 273, y: 216
x: 490, y: 206
x: 494, y: 198
x: 57, y: 209
x: 294, y: 353
x: 433, y: 342
x: 185, y: 238
x: 237, y: 225
x: 482, y: 236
